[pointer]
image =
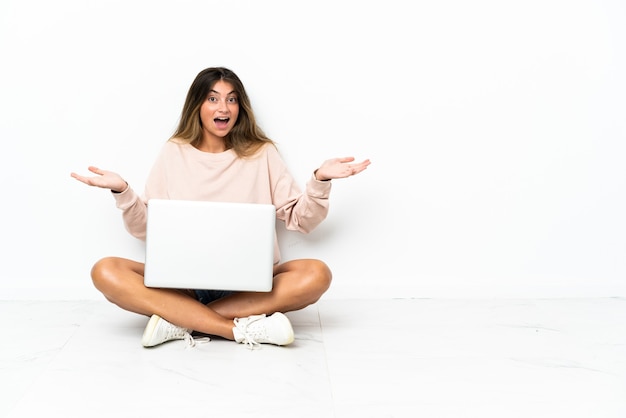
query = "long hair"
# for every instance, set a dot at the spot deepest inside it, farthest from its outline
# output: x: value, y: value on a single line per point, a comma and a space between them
x: 246, y: 137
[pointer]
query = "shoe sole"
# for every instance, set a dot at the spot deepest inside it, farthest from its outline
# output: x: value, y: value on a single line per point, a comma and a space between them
x: 149, y: 331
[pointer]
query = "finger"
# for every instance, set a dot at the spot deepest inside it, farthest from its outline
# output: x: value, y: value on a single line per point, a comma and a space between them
x: 345, y: 159
x: 95, y: 170
x: 357, y: 168
x: 80, y: 178
x: 361, y: 166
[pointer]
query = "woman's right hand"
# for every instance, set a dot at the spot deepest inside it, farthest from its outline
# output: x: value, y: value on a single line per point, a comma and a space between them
x: 104, y: 179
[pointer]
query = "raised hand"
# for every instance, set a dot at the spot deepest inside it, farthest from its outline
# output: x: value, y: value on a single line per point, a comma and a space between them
x: 337, y: 168
x: 104, y: 179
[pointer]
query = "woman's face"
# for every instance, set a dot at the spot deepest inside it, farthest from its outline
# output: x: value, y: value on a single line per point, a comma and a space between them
x: 219, y: 111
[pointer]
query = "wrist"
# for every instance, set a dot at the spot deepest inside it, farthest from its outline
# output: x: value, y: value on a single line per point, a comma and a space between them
x: 318, y: 178
x: 123, y: 189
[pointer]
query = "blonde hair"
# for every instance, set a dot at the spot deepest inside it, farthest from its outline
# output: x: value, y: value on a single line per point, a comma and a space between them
x: 246, y: 137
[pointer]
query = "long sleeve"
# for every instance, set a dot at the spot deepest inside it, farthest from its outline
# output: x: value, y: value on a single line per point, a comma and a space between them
x: 301, y: 211
x: 184, y: 173
x: 134, y: 212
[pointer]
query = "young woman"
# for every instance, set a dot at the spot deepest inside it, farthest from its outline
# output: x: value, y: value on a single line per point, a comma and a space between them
x: 219, y: 153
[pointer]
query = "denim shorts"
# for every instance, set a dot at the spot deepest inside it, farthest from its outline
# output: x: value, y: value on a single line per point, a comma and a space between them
x: 208, y: 296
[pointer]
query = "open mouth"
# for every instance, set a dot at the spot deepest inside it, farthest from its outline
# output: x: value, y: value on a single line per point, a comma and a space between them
x: 221, y: 122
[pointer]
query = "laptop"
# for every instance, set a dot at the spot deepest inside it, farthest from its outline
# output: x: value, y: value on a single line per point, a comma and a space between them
x: 210, y: 245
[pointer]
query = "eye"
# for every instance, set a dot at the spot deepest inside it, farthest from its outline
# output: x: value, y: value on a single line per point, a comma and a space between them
x: 232, y: 100
x: 212, y: 99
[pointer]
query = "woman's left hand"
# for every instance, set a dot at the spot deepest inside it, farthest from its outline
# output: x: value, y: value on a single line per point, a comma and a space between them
x: 337, y: 168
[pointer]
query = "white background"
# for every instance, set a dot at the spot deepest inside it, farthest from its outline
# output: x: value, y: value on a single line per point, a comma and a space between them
x: 496, y: 132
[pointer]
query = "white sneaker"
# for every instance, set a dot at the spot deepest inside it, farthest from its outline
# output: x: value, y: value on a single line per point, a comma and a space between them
x: 159, y: 331
x: 258, y: 329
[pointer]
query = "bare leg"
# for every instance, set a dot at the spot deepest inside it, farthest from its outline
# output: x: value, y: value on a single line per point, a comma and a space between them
x: 297, y: 284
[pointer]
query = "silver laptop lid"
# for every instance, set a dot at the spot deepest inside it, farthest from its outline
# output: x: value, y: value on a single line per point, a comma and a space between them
x: 210, y: 245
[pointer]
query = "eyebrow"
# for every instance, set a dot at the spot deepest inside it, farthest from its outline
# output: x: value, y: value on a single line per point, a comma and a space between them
x: 229, y: 93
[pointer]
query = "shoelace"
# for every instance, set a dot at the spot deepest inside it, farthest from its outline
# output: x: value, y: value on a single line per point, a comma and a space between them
x: 249, y: 337
x: 190, y: 341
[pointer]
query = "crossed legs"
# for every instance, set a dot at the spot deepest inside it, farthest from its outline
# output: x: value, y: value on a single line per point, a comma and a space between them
x: 297, y: 284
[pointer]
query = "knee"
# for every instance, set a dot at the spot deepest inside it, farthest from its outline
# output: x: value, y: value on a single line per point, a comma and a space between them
x: 103, y: 275
x: 319, y: 276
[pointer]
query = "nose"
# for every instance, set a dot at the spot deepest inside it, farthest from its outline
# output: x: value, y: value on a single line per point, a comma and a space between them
x: 222, y: 106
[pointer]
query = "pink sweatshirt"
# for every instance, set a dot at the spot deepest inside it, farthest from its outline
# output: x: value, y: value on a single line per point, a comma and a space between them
x: 183, y: 172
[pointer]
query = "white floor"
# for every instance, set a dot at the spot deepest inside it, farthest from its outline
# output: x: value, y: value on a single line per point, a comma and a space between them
x: 351, y: 358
